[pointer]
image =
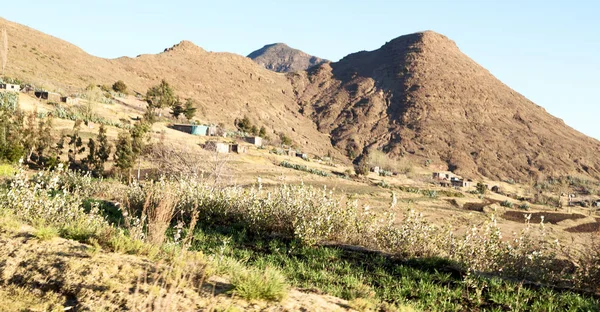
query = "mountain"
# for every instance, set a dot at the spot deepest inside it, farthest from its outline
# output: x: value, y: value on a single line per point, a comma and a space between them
x: 281, y: 58
x: 419, y: 96
x: 225, y: 86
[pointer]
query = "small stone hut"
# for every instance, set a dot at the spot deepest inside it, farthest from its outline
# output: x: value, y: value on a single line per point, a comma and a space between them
x: 218, y: 147
x: 10, y: 87
x: 256, y: 141
x: 192, y: 129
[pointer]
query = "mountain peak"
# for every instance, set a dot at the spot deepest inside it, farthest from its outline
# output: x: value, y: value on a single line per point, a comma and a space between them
x: 419, y: 96
x: 427, y: 39
x: 281, y: 58
x: 185, y: 46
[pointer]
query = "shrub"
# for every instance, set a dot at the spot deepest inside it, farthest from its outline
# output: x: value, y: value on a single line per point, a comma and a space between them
x: 44, y: 233
x: 9, y: 100
x: 285, y: 140
x: 120, y: 87
x: 506, y: 204
x: 524, y: 206
x: 481, y: 188
x: 304, y: 168
x: 362, y: 168
x: 252, y: 284
x: 50, y: 199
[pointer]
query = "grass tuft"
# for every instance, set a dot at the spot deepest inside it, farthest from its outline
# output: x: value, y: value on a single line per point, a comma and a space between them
x: 45, y: 233
x: 255, y: 284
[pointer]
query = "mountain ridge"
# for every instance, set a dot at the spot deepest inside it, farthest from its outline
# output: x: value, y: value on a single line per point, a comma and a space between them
x: 225, y: 86
x: 280, y: 57
x: 417, y: 97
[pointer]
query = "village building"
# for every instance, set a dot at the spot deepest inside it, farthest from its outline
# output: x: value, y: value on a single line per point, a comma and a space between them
x: 10, y: 87
x: 238, y: 148
x: 69, y: 100
x: 49, y: 96
x: 447, y: 179
x: 218, y: 147
x: 461, y: 183
x: 375, y: 169
x: 256, y: 141
x: 302, y: 155
x: 443, y: 175
x: 192, y: 129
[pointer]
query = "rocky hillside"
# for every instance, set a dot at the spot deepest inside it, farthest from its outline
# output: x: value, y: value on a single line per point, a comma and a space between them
x: 281, y: 58
x: 419, y: 96
x: 226, y: 86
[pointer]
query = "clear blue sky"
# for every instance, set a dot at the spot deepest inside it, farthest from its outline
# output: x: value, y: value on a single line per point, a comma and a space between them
x: 547, y: 50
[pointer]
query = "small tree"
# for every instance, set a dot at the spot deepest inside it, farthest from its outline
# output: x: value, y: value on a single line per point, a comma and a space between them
x: 244, y: 124
x: 45, y: 139
x: 481, y: 188
x: 120, y: 87
x: 99, y: 152
x: 189, y: 110
x: 124, y: 156
x: 11, y: 134
x: 138, y: 135
x: 262, y: 132
x: 160, y: 96
x: 177, y: 109
x: 362, y: 168
x: 285, y: 140
x: 75, y: 145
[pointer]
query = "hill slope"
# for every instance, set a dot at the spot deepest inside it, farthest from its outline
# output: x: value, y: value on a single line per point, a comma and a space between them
x: 417, y: 96
x: 226, y: 86
x: 420, y: 96
x: 281, y: 58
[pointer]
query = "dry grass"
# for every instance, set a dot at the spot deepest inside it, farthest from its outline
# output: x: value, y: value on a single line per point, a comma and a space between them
x: 16, y: 299
x: 159, y: 215
x: 245, y: 87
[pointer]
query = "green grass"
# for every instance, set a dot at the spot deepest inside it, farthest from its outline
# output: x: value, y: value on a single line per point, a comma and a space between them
x: 45, y: 233
x: 430, y: 284
x: 252, y: 284
x: 7, y: 170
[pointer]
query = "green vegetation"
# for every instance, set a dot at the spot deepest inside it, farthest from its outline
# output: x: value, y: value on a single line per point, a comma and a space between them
x: 189, y: 111
x: 98, y: 153
x: 481, y: 188
x: 83, y: 114
x: 9, y: 100
x: 159, y: 97
x: 45, y: 233
x: 262, y: 239
x: 304, y: 168
x: 285, y: 140
x: 252, y: 284
x: 120, y: 87
x: 431, y: 284
x: 362, y: 168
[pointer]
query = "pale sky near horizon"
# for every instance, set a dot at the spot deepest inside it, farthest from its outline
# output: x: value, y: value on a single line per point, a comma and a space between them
x: 549, y: 51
